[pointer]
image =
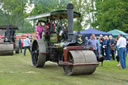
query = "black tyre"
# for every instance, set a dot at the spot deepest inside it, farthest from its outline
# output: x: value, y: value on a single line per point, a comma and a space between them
x: 17, y: 51
x: 38, y: 59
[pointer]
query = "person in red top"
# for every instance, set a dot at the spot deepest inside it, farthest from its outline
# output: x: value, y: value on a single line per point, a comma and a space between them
x: 50, y: 27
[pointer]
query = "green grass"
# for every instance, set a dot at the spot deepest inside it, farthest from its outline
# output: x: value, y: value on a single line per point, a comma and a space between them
x: 18, y: 70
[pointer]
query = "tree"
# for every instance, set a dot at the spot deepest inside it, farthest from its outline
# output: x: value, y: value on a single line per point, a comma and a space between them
x: 84, y: 7
x: 2, y: 17
x: 28, y: 28
x: 44, y: 6
x: 111, y: 14
x: 14, y: 11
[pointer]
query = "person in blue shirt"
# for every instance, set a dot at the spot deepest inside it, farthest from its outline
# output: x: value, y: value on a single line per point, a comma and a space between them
x: 26, y: 45
x: 93, y: 43
x: 107, y: 48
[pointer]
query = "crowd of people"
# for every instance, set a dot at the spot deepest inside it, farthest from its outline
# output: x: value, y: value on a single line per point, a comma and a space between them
x: 109, y: 47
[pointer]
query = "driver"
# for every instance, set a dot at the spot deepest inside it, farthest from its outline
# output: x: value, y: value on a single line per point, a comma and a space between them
x: 39, y: 29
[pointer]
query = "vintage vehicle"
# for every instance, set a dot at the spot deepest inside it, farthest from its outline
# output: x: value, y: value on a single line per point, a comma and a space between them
x: 23, y: 36
x: 65, y: 50
x: 8, y: 42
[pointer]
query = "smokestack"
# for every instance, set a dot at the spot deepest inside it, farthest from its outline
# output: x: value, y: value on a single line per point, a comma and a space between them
x: 70, y: 8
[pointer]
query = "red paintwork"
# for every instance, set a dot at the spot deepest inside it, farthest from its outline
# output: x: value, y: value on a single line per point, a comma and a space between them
x: 44, y: 53
x: 67, y: 49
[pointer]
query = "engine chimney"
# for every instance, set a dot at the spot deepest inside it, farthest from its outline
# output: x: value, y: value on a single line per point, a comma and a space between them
x: 70, y: 8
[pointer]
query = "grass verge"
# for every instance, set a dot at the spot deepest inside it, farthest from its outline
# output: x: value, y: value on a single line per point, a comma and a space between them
x: 18, y: 70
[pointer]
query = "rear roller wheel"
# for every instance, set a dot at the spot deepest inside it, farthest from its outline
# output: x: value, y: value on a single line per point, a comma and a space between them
x: 38, y: 59
x: 17, y: 46
x: 11, y: 53
x: 17, y: 51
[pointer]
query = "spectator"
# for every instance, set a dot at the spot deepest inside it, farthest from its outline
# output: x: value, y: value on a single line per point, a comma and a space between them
x: 112, y: 47
x: 20, y: 45
x: 117, y: 55
x: 121, y: 43
x: 26, y: 45
x: 101, y: 40
x: 127, y: 43
x: 99, y: 51
x: 93, y: 44
x: 117, y: 52
x: 39, y: 29
x: 106, y: 47
x: 86, y: 41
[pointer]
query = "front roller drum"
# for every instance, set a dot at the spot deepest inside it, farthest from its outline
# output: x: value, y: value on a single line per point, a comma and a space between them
x: 83, y: 62
x: 6, y: 49
x: 6, y: 53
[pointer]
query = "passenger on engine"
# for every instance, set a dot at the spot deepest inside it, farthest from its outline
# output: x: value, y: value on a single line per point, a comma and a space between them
x: 39, y: 29
x: 50, y: 27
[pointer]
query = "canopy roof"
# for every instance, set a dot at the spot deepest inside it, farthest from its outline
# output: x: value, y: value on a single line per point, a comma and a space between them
x: 4, y: 27
x: 90, y: 31
x: 116, y: 32
x: 59, y: 14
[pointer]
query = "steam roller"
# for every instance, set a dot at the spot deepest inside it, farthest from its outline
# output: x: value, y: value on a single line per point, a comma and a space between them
x: 6, y: 49
x: 75, y: 60
x: 62, y: 47
x: 8, y: 41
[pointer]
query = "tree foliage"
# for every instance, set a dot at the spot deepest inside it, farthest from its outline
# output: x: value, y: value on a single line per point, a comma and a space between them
x: 13, y: 12
x: 28, y: 28
x: 44, y: 6
x: 84, y: 7
x: 111, y: 14
x: 13, y: 9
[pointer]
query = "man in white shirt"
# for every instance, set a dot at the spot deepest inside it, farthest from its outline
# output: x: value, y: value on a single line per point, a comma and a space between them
x: 26, y: 45
x: 121, y: 43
